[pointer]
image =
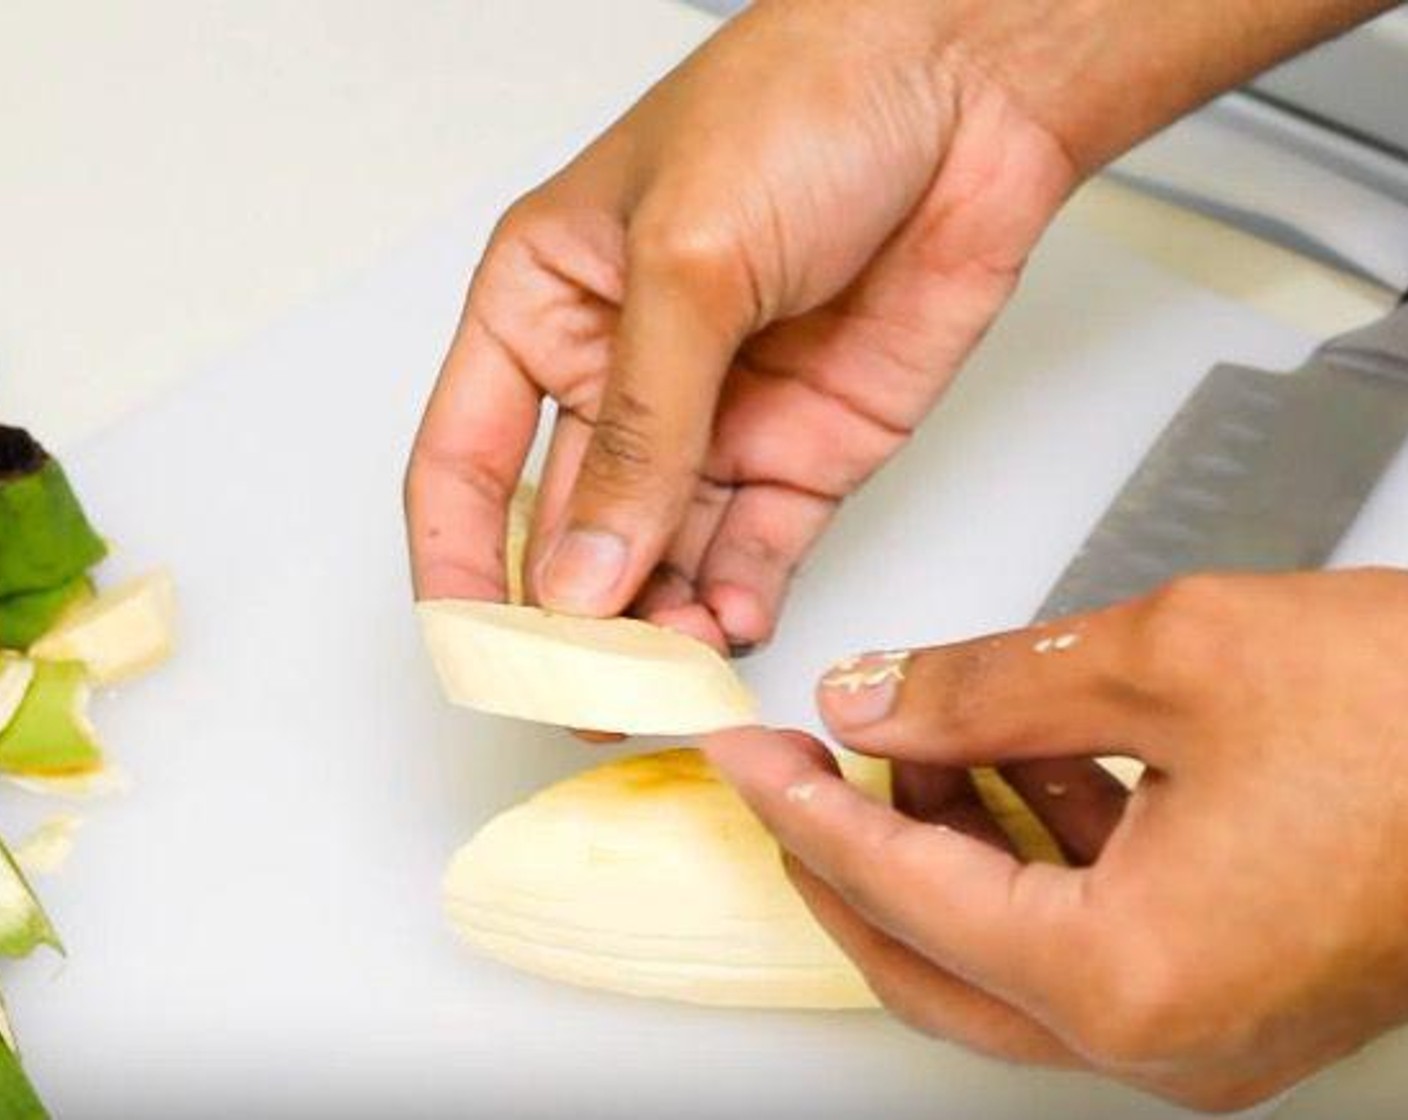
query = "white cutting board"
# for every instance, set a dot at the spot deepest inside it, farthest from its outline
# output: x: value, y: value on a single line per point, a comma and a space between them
x: 255, y: 929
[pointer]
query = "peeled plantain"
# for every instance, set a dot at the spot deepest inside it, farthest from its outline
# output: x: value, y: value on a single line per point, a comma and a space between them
x: 648, y: 876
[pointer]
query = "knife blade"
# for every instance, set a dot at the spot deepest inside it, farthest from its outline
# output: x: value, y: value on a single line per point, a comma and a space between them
x: 1257, y: 471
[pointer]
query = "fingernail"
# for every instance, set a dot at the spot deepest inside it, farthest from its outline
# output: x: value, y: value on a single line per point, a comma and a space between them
x: 583, y: 570
x: 862, y: 690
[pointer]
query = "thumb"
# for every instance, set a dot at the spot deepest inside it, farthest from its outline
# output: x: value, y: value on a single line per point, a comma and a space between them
x: 688, y: 305
x: 1062, y: 689
x: 973, y: 909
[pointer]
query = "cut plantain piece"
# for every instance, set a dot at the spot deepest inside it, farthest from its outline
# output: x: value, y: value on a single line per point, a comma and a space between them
x: 125, y: 631
x: 26, y: 617
x: 49, y: 733
x: 617, y: 673
x: 648, y: 876
x: 45, y: 539
x: 23, y: 924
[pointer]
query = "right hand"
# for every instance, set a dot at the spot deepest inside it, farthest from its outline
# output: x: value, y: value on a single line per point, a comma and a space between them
x: 1236, y: 922
x: 743, y: 298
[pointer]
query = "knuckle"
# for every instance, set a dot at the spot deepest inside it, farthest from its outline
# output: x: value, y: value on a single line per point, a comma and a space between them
x: 516, y: 229
x: 521, y: 217
x: 477, y: 479
x: 670, y: 246
x: 1188, y: 625
x: 758, y: 553
x: 954, y: 696
x: 622, y: 453
x: 702, y: 260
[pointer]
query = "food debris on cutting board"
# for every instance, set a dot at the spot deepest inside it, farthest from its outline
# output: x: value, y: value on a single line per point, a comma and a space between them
x: 60, y: 635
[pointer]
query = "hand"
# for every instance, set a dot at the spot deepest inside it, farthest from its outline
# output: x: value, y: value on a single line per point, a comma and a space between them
x: 1238, y: 922
x: 743, y: 297
x: 747, y: 293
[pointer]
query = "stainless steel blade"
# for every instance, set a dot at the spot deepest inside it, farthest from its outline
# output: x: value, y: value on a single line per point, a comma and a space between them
x: 1258, y: 470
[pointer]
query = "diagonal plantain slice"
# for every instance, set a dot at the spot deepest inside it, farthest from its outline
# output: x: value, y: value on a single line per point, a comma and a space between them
x: 617, y: 673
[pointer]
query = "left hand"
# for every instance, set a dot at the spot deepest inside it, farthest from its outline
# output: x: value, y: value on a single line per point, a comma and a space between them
x: 1238, y: 921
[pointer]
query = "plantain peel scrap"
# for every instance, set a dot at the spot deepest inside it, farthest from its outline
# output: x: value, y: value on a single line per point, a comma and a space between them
x: 50, y: 733
x: 122, y: 633
x: 45, y: 539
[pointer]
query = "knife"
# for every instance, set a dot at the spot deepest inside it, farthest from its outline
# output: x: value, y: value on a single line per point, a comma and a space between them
x: 1257, y: 471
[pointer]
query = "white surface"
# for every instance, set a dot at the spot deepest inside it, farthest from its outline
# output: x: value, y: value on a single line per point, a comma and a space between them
x: 255, y: 930
x: 183, y: 174
x: 1222, y: 157
x: 176, y: 174
x: 1360, y: 80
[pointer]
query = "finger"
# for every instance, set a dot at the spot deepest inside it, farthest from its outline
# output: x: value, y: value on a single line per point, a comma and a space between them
x: 673, y: 582
x: 763, y: 536
x: 1037, y: 693
x: 944, y: 795
x: 465, y: 465
x: 669, y: 597
x: 696, y: 621
x: 977, y: 912
x: 687, y: 306
x: 924, y: 996
x: 1079, y: 801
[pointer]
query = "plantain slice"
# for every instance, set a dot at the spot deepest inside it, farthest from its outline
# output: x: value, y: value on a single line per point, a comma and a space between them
x: 617, y: 673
